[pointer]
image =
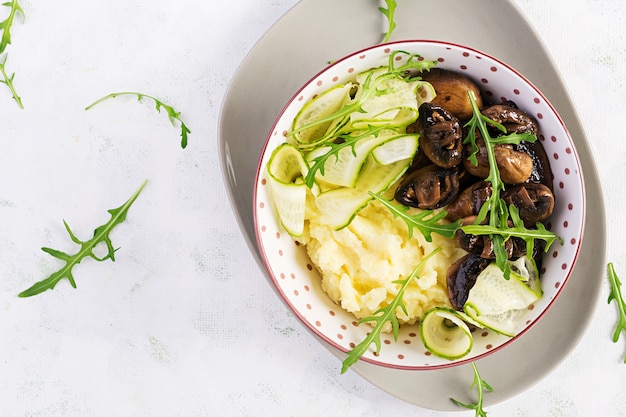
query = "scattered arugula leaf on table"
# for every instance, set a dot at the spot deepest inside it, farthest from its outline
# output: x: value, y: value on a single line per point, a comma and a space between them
x: 5, y: 40
x: 495, y: 209
x: 382, y: 316
x: 481, y: 385
x: 616, y: 295
x: 100, y: 235
x: 389, y: 12
x: 8, y: 80
x: 7, y: 23
x: 172, y: 114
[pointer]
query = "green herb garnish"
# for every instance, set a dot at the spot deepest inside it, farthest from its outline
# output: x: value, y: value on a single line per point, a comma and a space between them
x: 481, y: 385
x: 8, y: 80
x: 389, y: 13
x: 100, y: 235
x: 5, y: 25
x: 172, y: 114
x: 5, y: 40
x: 382, y: 316
x: 616, y: 295
x: 426, y: 221
x: 495, y: 207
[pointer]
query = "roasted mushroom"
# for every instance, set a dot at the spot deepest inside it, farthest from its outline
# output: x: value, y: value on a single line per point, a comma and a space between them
x: 461, y: 277
x: 535, y: 202
x: 512, y: 118
x: 515, y: 166
x: 452, y: 92
x: 469, y: 201
x: 428, y: 188
x: 541, y: 173
x: 442, y: 135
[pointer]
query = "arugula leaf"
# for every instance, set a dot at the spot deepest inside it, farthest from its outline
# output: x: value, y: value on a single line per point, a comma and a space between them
x: 382, y: 316
x: 495, y: 207
x: 389, y: 13
x: 100, y: 235
x: 8, y: 80
x: 481, y: 385
x: 427, y: 221
x: 171, y: 112
x: 616, y: 295
x: 5, y: 25
x: 5, y: 40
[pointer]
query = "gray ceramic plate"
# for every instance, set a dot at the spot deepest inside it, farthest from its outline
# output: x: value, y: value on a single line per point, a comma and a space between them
x: 295, y: 49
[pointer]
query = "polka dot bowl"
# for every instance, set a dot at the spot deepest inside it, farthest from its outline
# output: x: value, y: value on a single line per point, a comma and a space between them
x: 297, y: 281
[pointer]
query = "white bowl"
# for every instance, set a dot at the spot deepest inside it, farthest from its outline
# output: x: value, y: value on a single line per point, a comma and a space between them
x: 298, y: 282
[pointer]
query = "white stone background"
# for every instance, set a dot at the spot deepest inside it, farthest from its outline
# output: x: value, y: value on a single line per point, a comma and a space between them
x: 183, y: 323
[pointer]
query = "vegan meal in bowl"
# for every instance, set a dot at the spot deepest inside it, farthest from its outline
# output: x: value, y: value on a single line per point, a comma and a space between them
x: 419, y: 204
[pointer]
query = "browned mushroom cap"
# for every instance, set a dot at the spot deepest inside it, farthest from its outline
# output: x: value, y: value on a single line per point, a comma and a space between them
x: 512, y: 118
x: 452, y: 92
x: 541, y: 173
x: 461, y: 277
x: 535, y: 202
x: 469, y: 201
x: 428, y: 188
x: 515, y: 166
x: 442, y: 135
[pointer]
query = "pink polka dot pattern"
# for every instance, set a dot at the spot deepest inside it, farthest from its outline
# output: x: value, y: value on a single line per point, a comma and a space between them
x: 297, y: 281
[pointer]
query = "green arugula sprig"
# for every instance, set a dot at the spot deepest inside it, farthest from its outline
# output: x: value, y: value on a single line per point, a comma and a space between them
x: 382, y: 316
x: 100, y: 235
x: 426, y: 221
x: 495, y: 207
x: 389, y: 12
x: 8, y: 80
x: 5, y: 40
x: 172, y: 114
x: 616, y: 295
x: 481, y: 386
x: 6, y: 24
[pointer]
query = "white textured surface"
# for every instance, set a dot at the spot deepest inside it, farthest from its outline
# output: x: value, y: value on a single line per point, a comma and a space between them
x: 184, y: 324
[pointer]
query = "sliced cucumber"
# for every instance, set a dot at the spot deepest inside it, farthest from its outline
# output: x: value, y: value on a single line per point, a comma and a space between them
x: 343, y: 169
x: 315, y: 112
x: 396, y: 149
x: 497, y: 302
x: 394, y: 94
x: 445, y: 334
x: 285, y: 171
x: 338, y: 207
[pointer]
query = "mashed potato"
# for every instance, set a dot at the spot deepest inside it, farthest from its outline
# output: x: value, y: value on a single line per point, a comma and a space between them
x: 359, y: 263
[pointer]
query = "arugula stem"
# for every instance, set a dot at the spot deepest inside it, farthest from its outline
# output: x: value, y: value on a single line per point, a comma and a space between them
x: 389, y: 12
x: 8, y: 80
x: 481, y: 385
x: 616, y: 295
x: 171, y: 112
